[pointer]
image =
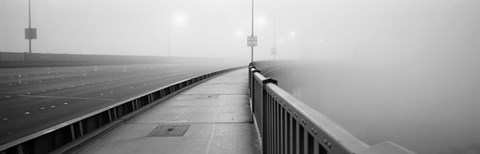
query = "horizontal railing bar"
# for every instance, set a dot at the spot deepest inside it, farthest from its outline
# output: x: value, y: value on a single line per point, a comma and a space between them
x: 317, y: 120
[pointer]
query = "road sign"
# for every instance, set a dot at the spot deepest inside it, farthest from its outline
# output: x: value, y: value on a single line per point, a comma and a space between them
x: 30, y: 33
x: 274, y: 51
x: 252, y: 41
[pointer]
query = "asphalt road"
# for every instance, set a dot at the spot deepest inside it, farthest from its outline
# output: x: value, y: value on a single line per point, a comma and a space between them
x: 32, y: 99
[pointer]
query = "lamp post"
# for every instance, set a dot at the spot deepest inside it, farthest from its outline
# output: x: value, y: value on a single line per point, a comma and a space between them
x: 30, y: 33
x: 251, y: 56
x: 168, y: 38
x: 274, y: 49
x: 178, y: 20
x: 252, y: 39
x: 29, y: 27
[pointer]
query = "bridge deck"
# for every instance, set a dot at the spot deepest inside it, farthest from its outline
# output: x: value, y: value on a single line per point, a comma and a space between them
x: 213, y: 117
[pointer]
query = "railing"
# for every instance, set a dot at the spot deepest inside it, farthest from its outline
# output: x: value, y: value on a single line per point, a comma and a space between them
x: 68, y: 136
x: 12, y: 56
x: 287, y: 126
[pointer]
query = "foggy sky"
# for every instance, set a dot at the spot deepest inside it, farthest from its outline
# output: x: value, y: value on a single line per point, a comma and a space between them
x: 325, y: 29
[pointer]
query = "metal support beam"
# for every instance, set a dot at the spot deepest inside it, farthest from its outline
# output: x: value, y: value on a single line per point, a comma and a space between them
x: 29, y: 27
x: 251, y: 56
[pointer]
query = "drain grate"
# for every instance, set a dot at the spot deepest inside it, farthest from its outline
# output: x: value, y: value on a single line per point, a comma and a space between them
x: 169, y: 130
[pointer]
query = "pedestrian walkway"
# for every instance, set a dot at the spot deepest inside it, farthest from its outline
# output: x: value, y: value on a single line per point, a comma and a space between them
x: 212, y: 117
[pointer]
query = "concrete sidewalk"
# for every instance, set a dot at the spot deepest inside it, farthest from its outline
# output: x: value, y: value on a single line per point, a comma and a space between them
x: 213, y: 117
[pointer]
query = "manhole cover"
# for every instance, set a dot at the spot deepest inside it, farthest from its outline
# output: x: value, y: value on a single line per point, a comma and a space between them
x: 169, y: 130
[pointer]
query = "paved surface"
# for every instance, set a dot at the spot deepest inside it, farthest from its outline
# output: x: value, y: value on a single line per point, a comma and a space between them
x: 32, y: 99
x: 213, y: 117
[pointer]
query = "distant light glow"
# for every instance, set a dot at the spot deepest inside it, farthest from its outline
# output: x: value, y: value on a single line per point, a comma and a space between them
x: 179, y: 19
x: 320, y: 40
x: 261, y: 20
x: 293, y: 34
x: 240, y: 33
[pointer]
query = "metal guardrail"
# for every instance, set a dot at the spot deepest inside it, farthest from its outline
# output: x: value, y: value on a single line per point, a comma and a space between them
x: 287, y: 125
x: 12, y: 56
x: 65, y: 137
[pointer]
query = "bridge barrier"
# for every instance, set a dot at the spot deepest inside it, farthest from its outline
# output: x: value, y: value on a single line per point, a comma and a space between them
x: 70, y: 135
x: 287, y: 125
x: 12, y: 56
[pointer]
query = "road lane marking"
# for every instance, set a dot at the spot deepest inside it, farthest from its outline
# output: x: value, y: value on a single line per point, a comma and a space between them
x: 81, y: 98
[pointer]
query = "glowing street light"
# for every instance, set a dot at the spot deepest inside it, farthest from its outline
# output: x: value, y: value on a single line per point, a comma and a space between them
x: 240, y: 33
x: 293, y: 34
x: 274, y: 48
x: 179, y: 19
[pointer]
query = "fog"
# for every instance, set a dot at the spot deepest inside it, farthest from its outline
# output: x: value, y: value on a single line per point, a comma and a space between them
x: 428, y: 106
x: 194, y: 28
x: 402, y: 71
x: 399, y: 70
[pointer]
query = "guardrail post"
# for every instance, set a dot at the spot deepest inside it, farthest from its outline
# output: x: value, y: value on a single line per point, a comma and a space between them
x: 252, y: 89
x: 72, y: 132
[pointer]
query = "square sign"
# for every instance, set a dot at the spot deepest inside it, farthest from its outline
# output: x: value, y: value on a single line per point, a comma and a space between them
x: 30, y: 33
x: 252, y: 41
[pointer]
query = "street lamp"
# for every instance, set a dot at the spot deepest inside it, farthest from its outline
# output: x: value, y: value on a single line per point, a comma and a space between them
x: 30, y: 33
x: 179, y: 19
x: 252, y: 40
x: 274, y: 49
